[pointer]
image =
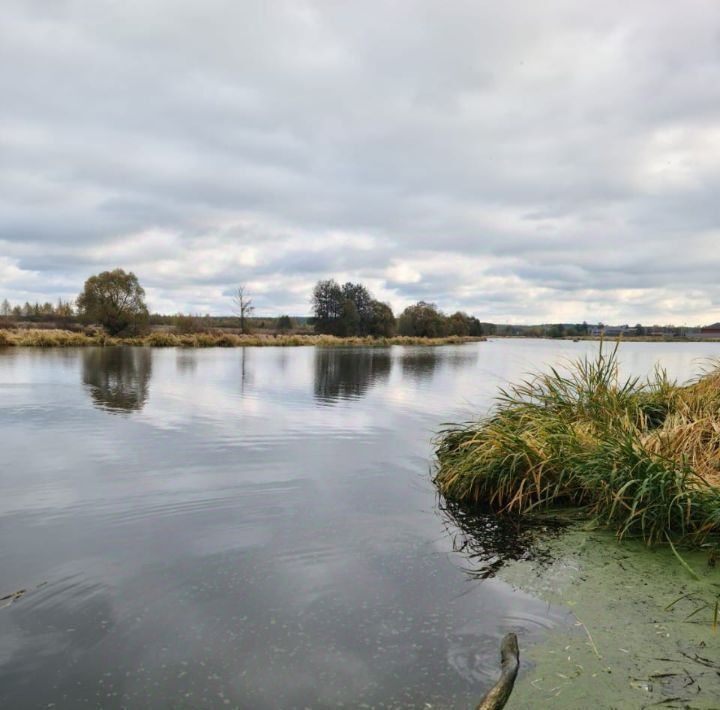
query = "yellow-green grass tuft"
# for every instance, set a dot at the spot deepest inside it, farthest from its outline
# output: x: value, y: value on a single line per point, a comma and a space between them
x: 642, y: 456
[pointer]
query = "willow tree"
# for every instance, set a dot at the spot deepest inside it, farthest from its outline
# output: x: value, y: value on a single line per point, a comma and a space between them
x: 116, y: 301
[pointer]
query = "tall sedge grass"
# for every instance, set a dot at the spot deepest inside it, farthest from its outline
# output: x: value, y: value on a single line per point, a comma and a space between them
x: 50, y: 338
x: 642, y: 456
x: 63, y: 338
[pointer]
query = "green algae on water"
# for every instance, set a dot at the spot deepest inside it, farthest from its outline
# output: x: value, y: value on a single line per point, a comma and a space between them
x: 644, y: 632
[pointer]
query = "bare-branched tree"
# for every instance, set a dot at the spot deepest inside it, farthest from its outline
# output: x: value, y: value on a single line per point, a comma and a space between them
x: 243, y: 307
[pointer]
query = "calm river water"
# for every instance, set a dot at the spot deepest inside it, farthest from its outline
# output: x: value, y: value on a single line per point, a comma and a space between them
x: 253, y: 528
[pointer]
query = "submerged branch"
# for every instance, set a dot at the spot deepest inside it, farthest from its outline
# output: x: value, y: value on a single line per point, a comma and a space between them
x: 498, y: 695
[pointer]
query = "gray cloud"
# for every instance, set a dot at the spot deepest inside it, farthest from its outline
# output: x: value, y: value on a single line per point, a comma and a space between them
x: 522, y: 162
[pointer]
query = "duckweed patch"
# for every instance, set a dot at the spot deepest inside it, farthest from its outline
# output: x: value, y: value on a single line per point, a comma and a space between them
x: 644, y: 634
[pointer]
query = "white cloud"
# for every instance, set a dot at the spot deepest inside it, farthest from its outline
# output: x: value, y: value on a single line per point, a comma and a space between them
x: 526, y: 163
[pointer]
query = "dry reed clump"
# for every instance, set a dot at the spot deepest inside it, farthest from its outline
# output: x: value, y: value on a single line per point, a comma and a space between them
x: 63, y: 338
x: 643, y: 456
x: 52, y: 338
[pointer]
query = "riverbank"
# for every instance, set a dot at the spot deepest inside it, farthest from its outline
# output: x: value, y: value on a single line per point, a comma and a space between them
x: 642, y: 457
x: 653, y: 644
x: 65, y: 338
x: 643, y: 338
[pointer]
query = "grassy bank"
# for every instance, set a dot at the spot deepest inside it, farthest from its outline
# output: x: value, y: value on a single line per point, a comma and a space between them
x: 64, y: 338
x: 640, y: 456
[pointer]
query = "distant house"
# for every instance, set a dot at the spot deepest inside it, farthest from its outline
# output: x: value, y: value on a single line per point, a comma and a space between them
x: 665, y: 331
x: 713, y: 330
x: 612, y: 331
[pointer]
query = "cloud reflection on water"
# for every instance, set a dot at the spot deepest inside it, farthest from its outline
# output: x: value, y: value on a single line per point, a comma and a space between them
x: 294, y: 548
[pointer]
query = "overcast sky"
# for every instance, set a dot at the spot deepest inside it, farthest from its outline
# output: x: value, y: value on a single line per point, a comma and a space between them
x: 526, y: 162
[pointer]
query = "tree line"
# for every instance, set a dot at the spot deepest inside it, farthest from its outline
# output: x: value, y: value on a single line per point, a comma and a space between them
x: 350, y: 310
x: 115, y: 300
x: 61, y: 309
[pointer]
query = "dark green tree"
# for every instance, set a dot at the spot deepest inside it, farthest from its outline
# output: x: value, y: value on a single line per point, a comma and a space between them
x: 382, y: 321
x: 349, y: 310
x: 345, y: 310
x: 349, y: 324
x: 423, y: 320
x: 327, y: 304
x: 116, y: 301
x: 360, y: 296
x: 460, y: 323
x: 476, y: 327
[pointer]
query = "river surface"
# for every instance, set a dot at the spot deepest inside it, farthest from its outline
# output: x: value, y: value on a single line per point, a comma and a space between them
x: 254, y: 528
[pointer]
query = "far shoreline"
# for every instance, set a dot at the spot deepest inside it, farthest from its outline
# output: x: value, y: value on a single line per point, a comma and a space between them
x: 62, y: 338
x: 610, y: 339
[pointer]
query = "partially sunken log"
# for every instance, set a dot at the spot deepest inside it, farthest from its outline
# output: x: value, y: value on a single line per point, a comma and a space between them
x: 498, y: 695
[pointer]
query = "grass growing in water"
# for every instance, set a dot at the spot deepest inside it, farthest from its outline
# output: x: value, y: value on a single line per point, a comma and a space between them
x: 640, y: 455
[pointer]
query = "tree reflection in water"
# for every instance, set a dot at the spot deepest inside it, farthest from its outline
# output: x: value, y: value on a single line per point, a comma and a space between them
x: 487, y: 540
x: 420, y: 363
x: 348, y: 374
x: 118, y: 378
